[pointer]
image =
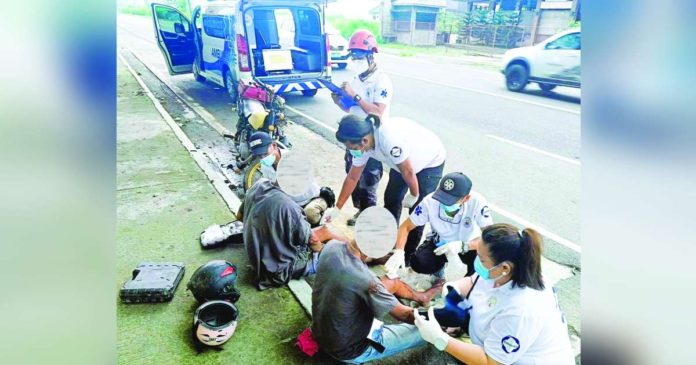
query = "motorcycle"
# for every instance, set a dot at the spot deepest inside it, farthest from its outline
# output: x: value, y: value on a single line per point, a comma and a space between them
x: 256, y: 97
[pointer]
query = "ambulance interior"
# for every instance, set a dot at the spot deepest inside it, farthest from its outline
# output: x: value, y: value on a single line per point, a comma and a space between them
x: 285, y: 40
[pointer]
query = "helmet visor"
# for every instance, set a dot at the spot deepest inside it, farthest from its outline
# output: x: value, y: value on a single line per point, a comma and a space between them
x: 358, y: 54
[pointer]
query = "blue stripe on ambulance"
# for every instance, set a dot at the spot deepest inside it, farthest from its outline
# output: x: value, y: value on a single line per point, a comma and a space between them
x: 296, y: 86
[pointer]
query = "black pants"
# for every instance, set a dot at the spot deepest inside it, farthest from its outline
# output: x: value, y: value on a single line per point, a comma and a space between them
x: 428, y: 180
x: 425, y: 261
x: 365, y: 193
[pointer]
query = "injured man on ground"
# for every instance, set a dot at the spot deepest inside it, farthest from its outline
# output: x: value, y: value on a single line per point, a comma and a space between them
x: 279, y: 240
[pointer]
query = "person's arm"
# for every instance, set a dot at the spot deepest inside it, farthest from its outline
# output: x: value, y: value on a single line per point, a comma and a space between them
x: 402, y: 313
x: 366, y: 106
x: 468, y: 353
x: 372, y: 108
x: 349, y: 184
x: 402, y: 235
x: 409, y: 176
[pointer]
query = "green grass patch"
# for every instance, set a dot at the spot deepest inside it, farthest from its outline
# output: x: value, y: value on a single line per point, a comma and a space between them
x: 136, y: 10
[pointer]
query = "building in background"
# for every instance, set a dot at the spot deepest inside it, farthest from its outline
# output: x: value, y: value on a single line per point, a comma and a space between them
x: 410, y: 22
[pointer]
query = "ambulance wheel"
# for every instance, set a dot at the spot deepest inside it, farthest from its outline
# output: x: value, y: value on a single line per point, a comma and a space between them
x: 342, y: 66
x: 253, y: 174
x: 309, y: 93
x: 197, y: 70
x: 231, y: 86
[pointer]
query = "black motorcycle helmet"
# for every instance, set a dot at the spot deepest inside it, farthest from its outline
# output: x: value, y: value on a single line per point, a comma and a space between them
x: 215, y: 280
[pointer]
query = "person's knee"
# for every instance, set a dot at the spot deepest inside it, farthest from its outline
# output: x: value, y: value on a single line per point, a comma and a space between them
x: 425, y: 263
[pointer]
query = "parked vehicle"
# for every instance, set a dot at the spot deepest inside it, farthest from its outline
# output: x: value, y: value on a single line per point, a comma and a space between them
x: 281, y: 43
x: 338, y: 45
x: 258, y: 109
x: 553, y: 62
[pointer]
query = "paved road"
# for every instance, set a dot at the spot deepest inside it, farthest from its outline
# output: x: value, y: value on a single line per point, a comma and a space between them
x: 473, y: 113
x: 521, y: 149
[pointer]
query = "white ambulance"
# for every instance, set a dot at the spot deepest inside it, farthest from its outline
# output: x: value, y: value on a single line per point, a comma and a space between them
x: 281, y: 43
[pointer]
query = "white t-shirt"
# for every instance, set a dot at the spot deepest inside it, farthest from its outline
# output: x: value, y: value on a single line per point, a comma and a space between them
x: 519, y: 325
x: 376, y: 89
x: 402, y: 138
x: 464, y: 226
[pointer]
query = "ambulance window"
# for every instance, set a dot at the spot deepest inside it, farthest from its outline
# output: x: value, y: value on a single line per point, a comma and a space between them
x: 214, y: 26
x: 286, y: 27
x: 167, y: 18
x: 308, y: 21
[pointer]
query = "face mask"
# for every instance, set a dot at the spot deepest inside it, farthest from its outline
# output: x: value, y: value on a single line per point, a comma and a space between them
x: 361, y: 65
x: 268, y: 160
x: 451, y: 208
x: 482, y: 271
x: 356, y: 153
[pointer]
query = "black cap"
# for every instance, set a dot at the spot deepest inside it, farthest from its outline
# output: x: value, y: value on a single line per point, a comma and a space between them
x: 453, y: 187
x: 259, y: 142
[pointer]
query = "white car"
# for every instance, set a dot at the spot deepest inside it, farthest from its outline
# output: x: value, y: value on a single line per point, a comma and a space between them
x: 553, y: 62
x: 339, y: 50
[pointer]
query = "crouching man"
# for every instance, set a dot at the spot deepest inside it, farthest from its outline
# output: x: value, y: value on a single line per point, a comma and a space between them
x: 279, y: 241
x: 347, y: 299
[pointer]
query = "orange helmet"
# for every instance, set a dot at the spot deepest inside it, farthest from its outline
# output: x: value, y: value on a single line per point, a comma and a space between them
x: 363, y: 40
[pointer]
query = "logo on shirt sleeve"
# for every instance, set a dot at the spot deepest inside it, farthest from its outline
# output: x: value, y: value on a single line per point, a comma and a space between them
x: 510, y: 344
x: 383, y: 93
x: 419, y: 210
x: 395, y: 152
x: 486, y: 212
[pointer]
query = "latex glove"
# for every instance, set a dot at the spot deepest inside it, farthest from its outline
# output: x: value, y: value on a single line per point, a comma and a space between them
x: 450, y: 248
x: 395, y: 262
x: 409, y: 201
x: 446, y: 288
x: 430, y: 330
x: 329, y: 216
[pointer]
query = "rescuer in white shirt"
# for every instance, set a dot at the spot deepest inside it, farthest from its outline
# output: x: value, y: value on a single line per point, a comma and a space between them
x: 371, y: 91
x: 515, y: 317
x: 415, y: 155
x: 456, y: 216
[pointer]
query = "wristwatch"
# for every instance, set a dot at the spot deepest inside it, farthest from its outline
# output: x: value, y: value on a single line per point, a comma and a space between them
x: 357, y: 98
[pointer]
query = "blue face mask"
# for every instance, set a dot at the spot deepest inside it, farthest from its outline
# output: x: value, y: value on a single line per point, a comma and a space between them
x: 356, y: 153
x: 484, y: 273
x: 268, y: 160
x: 451, y: 208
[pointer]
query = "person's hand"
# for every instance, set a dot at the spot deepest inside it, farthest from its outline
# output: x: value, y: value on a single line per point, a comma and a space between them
x: 349, y: 90
x: 395, y: 262
x: 430, y: 330
x: 410, y: 200
x: 329, y: 216
x: 450, y: 249
x: 447, y: 286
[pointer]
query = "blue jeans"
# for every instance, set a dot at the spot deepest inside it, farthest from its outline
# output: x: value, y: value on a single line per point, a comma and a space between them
x: 395, y: 338
x: 311, y: 267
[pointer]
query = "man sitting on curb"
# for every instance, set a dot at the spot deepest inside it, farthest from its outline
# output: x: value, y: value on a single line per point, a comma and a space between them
x: 314, y: 202
x: 279, y: 241
x: 347, y: 299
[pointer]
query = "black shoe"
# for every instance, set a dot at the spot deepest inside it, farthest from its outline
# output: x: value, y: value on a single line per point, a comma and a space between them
x: 352, y: 220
